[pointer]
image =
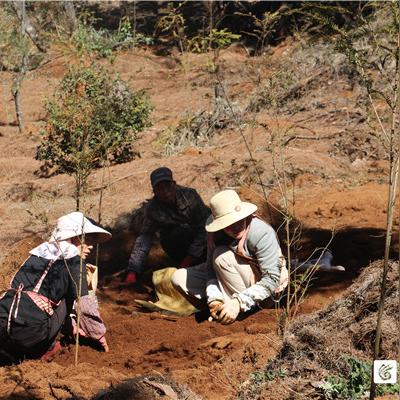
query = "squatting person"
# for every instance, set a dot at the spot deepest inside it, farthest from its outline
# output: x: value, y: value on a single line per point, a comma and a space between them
x: 245, y: 267
x: 43, y: 292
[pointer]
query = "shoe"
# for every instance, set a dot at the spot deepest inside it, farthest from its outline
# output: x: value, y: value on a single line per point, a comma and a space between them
x: 326, y: 257
x: 326, y: 263
x: 333, y: 268
x: 50, y: 354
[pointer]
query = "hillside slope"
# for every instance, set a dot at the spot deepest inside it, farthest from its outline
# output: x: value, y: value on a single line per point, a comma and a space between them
x: 303, y: 96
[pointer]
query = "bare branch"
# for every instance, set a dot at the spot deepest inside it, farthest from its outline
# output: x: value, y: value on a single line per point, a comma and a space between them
x: 70, y: 11
x: 28, y: 28
x: 16, y: 91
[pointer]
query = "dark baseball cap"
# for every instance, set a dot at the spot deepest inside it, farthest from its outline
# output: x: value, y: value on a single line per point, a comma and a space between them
x: 159, y: 175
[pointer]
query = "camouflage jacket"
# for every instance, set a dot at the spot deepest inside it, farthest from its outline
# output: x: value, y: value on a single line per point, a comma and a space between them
x: 190, y: 212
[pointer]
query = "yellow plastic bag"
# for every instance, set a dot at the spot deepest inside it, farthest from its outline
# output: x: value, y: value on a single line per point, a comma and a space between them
x: 170, y: 301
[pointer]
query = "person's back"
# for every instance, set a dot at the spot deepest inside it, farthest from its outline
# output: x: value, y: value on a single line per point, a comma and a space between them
x: 56, y: 285
x: 43, y: 291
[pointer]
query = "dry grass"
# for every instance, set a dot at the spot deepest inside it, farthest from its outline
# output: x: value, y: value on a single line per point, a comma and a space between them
x: 319, y: 345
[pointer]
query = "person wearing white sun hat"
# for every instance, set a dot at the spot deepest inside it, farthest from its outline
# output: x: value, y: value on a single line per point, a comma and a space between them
x: 42, y: 293
x: 243, y: 270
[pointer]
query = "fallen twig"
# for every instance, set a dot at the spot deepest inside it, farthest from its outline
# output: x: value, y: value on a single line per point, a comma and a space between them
x: 294, y: 137
x: 166, y: 317
x: 96, y: 189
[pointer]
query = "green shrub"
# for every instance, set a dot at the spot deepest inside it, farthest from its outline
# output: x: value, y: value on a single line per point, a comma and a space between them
x: 92, y: 117
x: 12, y: 43
x: 87, y: 40
x: 215, y: 40
x: 258, y: 377
x: 102, y: 43
x: 173, y: 23
x: 356, y: 385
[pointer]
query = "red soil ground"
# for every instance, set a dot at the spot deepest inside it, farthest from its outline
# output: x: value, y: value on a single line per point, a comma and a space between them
x: 333, y: 194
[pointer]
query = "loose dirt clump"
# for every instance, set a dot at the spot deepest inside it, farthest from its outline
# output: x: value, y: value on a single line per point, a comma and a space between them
x: 147, y: 388
x: 325, y: 344
x: 38, y: 380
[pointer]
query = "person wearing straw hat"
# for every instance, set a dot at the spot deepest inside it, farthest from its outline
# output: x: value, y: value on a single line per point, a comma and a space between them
x: 244, y: 267
x: 44, y: 290
x: 178, y: 215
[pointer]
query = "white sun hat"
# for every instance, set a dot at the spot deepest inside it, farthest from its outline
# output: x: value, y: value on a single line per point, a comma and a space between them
x: 227, y: 208
x: 76, y: 224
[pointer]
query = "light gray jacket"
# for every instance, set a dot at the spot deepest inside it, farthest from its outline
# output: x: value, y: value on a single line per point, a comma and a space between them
x: 261, y: 244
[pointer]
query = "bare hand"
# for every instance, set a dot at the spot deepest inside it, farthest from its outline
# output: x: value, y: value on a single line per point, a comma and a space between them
x: 84, y: 250
x: 104, y: 344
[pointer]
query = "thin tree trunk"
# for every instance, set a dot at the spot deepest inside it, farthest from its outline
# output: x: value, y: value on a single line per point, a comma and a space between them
x: 134, y: 23
x: 71, y: 15
x: 16, y: 92
x: 393, y: 181
x: 78, y: 300
x: 394, y: 172
x: 29, y: 29
x: 16, y: 87
x: 78, y: 184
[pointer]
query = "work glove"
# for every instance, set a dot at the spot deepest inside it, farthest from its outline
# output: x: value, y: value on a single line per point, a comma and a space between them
x: 186, y: 262
x: 215, y: 307
x: 229, y: 311
x: 130, y: 278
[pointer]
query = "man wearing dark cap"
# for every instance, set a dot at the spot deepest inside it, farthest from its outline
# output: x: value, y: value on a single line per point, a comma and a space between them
x: 178, y: 215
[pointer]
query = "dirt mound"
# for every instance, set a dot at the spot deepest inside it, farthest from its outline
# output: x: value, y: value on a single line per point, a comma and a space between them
x: 73, y: 383
x: 38, y: 380
x: 330, y: 342
x: 147, y: 388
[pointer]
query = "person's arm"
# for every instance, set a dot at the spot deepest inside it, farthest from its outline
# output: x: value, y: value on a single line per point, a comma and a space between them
x: 91, y: 325
x: 267, y: 251
x: 198, y: 216
x: 143, y: 243
x: 138, y: 257
x: 75, y: 265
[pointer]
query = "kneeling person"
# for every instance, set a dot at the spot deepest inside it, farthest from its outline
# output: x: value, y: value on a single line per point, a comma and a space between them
x: 178, y: 215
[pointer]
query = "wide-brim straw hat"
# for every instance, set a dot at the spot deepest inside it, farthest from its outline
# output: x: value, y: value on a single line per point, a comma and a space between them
x: 227, y: 208
x: 76, y: 224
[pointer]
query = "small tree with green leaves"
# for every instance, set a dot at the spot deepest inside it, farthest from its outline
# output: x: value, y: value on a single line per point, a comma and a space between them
x: 93, y: 117
x: 214, y: 41
x: 372, y: 47
x: 173, y: 22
